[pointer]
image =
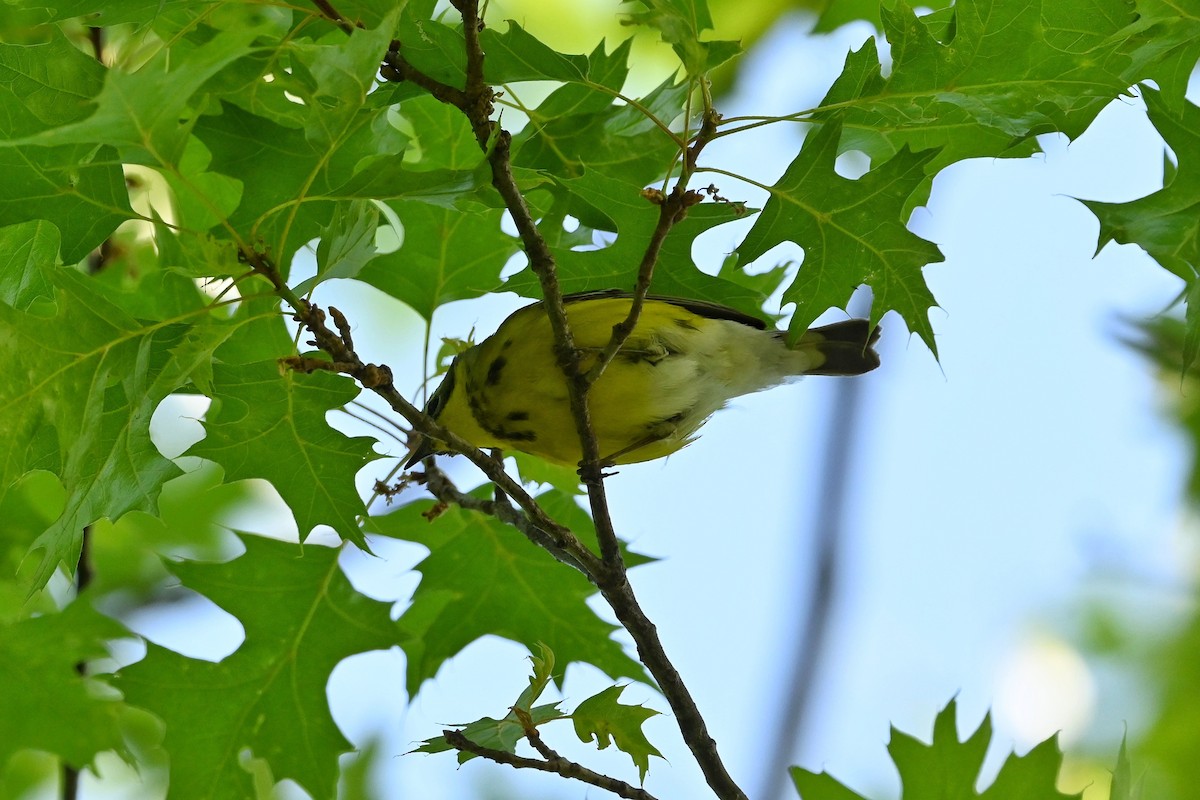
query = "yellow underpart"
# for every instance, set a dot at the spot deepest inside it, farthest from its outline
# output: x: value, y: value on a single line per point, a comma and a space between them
x: 673, y: 372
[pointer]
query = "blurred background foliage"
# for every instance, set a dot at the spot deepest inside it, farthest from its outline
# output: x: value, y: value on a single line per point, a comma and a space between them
x: 1154, y: 642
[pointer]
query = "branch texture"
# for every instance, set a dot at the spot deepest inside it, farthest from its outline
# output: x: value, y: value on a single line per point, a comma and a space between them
x: 558, y: 765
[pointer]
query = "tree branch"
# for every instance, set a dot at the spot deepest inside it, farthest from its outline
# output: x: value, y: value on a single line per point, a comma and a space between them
x: 443, y: 489
x: 672, y: 209
x: 557, y: 765
x: 378, y: 378
x: 333, y: 15
x: 397, y: 69
x: 610, y: 575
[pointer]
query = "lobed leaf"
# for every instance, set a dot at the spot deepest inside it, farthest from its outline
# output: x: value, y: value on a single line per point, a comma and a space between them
x: 1166, y: 223
x: 301, y: 617
x: 483, y: 577
x: 681, y: 23
x: 603, y: 718
x: 81, y: 387
x: 270, y: 424
x: 634, y: 218
x: 42, y: 686
x: 852, y: 232
x: 949, y: 768
x: 504, y: 734
x: 986, y: 77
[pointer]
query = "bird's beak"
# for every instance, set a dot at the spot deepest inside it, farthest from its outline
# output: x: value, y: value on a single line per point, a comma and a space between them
x: 424, y: 448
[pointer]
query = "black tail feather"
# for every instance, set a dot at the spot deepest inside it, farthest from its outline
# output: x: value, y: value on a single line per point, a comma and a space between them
x: 846, y: 346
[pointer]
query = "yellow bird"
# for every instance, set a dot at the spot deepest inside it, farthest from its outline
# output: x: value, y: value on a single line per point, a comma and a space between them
x: 684, y: 360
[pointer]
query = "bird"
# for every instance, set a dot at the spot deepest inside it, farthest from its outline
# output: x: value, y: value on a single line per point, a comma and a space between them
x: 683, y: 361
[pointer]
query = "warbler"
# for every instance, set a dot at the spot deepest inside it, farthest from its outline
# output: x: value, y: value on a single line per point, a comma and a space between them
x: 683, y: 361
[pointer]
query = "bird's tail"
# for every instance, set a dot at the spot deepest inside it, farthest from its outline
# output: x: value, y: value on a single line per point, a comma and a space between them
x: 843, y: 348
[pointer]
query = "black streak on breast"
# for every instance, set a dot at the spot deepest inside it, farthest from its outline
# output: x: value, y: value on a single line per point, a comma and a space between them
x: 494, y: 370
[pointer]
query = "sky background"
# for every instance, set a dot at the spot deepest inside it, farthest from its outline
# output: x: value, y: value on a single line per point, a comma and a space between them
x: 1029, y: 468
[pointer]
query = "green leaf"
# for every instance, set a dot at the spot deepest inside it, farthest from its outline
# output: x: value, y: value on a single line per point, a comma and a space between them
x: 432, y: 46
x: 514, y: 55
x: 1000, y: 73
x: 342, y: 75
x: 202, y: 199
x: 608, y: 721
x: 1166, y: 223
x: 291, y: 185
x: 852, y: 232
x: 271, y: 425
x: 615, y: 266
x: 441, y: 136
x: 448, y: 254
x: 126, y: 555
x: 681, y: 23
x: 107, y: 13
x: 543, y: 670
x: 346, y: 245
x: 1170, y: 36
x: 1123, y: 787
x: 483, y: 577
x: 820, y: 786
x: 1033, y: 775
x: 80, y: 390
x: 948, y: 768
x: 146, y: 113
x: 505, y: 733
x: 47, y: 704
x: 28, y: 251
x: 301, y: 617
x: 46, y: 86
x: 497, y: 734
x: 80, y: 189
x: 836, y: 13
x: 578, y: 128
x: 535, y: 470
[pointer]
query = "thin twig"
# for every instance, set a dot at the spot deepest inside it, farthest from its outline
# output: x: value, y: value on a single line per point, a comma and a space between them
x: 378, y: 378
x: 672, y: 209
x: 535, y: 738
x: 558, y: 766
x: 83, y: 579
x: 499, y: 507
x: 333, y: 15
x: 396, y: 68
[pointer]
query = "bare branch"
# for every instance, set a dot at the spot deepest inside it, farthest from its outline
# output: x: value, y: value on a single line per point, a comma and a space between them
x: 557, y: 765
